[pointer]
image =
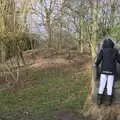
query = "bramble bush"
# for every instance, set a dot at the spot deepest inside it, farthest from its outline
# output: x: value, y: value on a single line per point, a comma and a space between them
x: 14, y: 43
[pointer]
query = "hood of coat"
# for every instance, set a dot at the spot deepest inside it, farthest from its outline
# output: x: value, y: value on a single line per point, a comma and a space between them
x: 108, y: 43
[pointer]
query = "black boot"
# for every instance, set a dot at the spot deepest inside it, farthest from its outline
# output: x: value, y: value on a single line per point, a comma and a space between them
x: 109, y: 100
x: 99, y: 99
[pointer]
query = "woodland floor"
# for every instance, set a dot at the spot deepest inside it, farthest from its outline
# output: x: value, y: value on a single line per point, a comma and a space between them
x: 50, y: 88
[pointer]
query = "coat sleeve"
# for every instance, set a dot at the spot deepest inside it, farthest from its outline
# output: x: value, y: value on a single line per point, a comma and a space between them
x: 118, y: 57
x: 99, y: 58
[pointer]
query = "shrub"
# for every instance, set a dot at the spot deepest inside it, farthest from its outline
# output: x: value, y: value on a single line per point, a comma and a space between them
x: 12, y: 44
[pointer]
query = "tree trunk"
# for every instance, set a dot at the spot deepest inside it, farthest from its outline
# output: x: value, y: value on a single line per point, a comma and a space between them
x: 3, y: 52
x: 60, y: 38
x: 50, y: 36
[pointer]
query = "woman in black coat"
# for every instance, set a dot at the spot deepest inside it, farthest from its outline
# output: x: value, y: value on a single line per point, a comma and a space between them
x: 108, y: 57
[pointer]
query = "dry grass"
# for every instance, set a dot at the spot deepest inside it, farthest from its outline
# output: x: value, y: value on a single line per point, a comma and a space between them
x: 50, y: 85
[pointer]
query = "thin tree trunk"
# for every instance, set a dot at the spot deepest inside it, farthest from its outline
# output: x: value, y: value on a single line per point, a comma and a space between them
x: 50, y: 35
x: 3, y: 52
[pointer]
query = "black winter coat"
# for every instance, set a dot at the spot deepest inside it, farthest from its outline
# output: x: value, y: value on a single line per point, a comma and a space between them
x: 108, y: 57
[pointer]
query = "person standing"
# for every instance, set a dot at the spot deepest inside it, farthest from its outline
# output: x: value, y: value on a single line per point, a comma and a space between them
x: 107, y: 57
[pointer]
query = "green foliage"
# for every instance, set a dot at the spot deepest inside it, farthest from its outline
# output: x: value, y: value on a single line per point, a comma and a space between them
x: 41, y: 1
x: 115, y: 32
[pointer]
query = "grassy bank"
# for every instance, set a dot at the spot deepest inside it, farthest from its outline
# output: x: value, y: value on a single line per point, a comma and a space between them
x: 45, y: 93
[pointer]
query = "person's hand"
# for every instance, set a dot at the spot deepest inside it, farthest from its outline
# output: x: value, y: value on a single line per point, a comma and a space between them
x: 94, y: 65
